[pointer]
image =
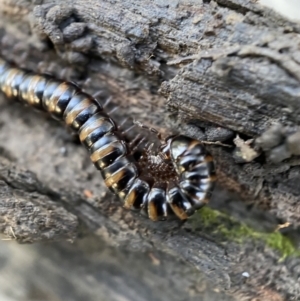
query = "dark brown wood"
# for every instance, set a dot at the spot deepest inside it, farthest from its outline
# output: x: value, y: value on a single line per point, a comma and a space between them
x: 212, y: 70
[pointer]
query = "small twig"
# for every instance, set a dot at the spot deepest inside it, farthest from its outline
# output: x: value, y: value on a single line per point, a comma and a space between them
x: 13, y: 234
x: 216, y: 143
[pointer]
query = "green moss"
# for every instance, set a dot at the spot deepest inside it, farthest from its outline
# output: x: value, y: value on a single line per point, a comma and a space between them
x: 282, y: 243
x: 222, y: 225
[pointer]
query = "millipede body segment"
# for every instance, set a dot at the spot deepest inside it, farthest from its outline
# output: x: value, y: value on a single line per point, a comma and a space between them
x: 178, y: 179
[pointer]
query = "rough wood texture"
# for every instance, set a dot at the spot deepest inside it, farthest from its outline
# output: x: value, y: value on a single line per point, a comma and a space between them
x: 220, y: 68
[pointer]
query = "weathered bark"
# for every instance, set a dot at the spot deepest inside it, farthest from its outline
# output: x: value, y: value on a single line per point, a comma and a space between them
x: 220, y: 68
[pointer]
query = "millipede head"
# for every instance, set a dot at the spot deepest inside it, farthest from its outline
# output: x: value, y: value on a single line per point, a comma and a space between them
x: 196, y: 172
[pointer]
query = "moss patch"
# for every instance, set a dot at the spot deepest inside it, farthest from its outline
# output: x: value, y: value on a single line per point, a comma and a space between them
x: 226, y: 227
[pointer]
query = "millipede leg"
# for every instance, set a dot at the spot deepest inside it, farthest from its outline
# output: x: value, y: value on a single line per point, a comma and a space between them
x: 64, y: 73
x: 128, y: 129
x: 86, y: 83
x: 122, y: 123
x: 135, y: 143
x: 98, y: 93
x: 152, y: 130
x: 107, y: 102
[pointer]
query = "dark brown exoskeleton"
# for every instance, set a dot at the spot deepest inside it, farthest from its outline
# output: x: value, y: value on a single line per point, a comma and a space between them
x: 177, y: 180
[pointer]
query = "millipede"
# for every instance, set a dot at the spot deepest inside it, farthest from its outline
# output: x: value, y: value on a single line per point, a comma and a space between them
x: 175, y: 180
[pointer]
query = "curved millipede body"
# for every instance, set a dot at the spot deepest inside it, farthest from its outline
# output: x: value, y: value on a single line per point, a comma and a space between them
x: 177, y: 180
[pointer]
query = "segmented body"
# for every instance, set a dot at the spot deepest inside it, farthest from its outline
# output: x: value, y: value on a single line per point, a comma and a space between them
x: 178, y: 180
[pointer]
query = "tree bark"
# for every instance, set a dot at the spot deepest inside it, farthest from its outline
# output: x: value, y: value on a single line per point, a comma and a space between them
x: 211, y: 70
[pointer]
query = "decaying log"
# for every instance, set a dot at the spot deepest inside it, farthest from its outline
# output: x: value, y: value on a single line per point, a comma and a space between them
x: 212, y: 70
